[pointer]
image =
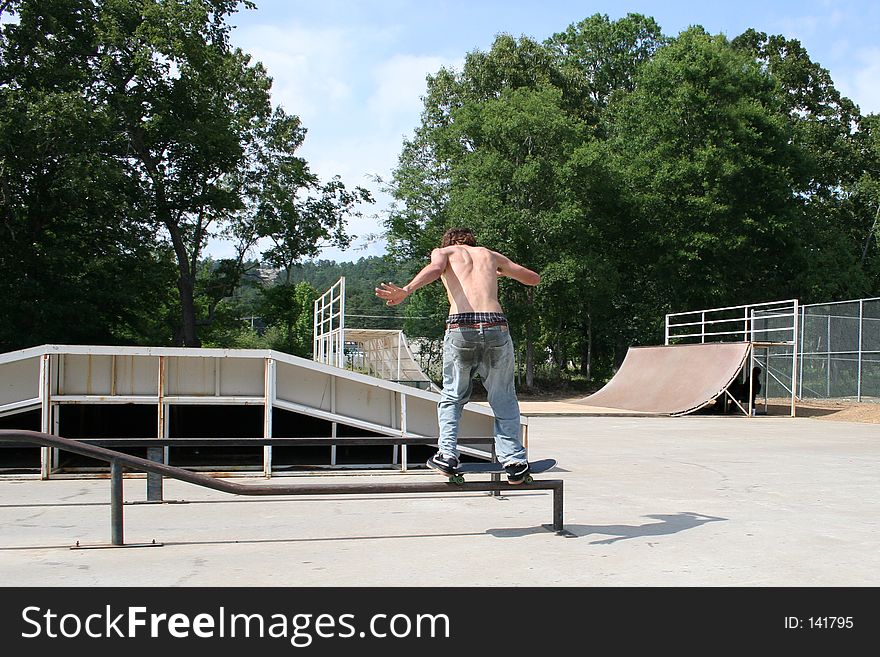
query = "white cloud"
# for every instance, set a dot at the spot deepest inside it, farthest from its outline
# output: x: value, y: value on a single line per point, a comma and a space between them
x: 327, y: 76
x: 357, y: 105
x: 861, y: 82
x: 805, y: 28
x: 308, y: 67
x: 401, y: 84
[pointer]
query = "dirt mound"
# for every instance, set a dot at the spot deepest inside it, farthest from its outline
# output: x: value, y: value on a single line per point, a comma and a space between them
x: 838, y: 410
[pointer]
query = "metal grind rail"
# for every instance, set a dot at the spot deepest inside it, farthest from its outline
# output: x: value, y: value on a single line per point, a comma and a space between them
x: 155, y: 447
x: 118, y: 461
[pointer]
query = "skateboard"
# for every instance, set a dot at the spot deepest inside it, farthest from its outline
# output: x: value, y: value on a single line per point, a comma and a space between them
x: 535, y: 467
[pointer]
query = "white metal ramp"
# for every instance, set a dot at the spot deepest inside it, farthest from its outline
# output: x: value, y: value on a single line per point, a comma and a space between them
x: 42, y: 380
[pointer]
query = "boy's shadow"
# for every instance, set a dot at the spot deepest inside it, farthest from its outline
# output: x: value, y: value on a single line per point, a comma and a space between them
x: 668, y: 524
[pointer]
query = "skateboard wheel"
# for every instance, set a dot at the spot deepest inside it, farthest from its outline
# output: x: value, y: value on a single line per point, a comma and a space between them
x: 528, y: 479
x: 456, y: 479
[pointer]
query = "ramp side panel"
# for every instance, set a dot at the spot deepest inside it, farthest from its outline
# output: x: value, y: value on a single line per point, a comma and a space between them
x: 19, y: 380
x: 136, y: 375
x: 241, y: 376
x: 673, y: 379
x: 85, y: 374
x: 365, y: 402
x: 422, y: 416
x: 304, y: 386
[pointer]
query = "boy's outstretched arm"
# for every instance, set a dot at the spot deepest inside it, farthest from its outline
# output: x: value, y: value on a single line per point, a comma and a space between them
x: 393, y: 295
x: 507, y: 267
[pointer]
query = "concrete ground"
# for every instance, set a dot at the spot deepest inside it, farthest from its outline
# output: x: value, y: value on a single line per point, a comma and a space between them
x: 649, y: 501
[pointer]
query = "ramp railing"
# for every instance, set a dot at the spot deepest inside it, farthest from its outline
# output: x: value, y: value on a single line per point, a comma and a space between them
x: 119, y: 461
x: 769, y: 326
x: 771, y: 322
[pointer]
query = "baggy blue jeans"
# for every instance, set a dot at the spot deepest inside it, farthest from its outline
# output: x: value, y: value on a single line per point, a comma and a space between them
x: 487, y: 351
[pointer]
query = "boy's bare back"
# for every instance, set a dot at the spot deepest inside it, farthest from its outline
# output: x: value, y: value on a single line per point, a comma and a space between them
x: 470, y: 275
x: 471, y: 279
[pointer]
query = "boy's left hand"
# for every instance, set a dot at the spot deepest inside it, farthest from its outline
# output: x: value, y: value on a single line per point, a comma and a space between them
x: 391, y: 293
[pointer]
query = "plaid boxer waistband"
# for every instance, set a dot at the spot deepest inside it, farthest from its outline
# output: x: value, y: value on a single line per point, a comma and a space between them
x: 475, y: 320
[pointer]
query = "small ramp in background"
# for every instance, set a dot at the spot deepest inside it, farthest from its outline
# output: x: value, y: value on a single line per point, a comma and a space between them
x: 387, y: 354
x: 671, y: 379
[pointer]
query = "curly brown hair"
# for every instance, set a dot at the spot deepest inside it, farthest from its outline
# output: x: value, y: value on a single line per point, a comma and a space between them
x: 458, y: 236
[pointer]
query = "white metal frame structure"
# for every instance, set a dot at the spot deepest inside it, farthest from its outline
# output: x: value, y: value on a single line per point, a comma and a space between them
x: 328, y: 345
x: 386, y: 353
x: 48, y: 377
x: 766, y: 326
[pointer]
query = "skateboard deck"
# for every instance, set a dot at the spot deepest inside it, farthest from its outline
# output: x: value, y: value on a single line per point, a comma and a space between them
x: 535, y: 467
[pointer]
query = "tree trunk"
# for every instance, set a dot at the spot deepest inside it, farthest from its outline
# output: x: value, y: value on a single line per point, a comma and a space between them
x: 587, y: 345
x: 186, y: 280
x: 530, y: 357
x: 188, y: 311
x: 185, y: 286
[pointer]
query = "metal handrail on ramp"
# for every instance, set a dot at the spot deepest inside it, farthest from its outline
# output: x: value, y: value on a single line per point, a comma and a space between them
x: 119, y: 460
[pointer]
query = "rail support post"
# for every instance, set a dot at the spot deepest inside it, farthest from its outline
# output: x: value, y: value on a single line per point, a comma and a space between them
x: 154, y: 479
x: 116, y: 503
x: 557, y: 525
x: 557, y: 508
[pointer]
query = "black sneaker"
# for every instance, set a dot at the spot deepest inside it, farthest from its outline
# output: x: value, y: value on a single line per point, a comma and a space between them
x: 516, y: 472
x: 445, y: 464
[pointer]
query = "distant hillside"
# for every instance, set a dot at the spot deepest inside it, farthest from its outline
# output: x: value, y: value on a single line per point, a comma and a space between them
x: 362, y: 308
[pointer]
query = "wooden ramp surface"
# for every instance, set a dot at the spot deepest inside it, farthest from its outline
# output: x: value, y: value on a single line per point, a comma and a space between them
x: 673, y: 379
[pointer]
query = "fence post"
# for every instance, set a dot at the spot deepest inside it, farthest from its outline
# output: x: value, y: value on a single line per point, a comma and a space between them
x: 794, y: 357
x: 801, y: 347
x: 861, y: 325
x: 828, y: 359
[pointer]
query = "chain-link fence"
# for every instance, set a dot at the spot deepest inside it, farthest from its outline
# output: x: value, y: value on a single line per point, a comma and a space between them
x: 838, y: 344
x: 840, y: 350
x: 839, y: 353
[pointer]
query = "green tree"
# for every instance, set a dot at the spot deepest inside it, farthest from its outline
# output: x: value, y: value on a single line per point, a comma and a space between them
x: 205, y: 145
x: 78, y: 256
x: 601, y: 56
x: 287, y: 309
x: 509, y: 185
x: 865, y: 201
x: 184, y: 123
x: 510, y: 146
x: 711, y: 170
x: 834, y: 141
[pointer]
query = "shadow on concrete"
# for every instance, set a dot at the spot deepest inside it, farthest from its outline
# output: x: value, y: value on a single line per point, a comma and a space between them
x: 254, y: 541
x: 668, y: 524
x: 309, y: 499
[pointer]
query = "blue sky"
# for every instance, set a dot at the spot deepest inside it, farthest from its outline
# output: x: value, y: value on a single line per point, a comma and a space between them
x: 354, y: 71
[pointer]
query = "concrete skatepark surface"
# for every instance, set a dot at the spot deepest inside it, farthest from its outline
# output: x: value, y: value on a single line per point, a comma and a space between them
x: 649, y: 501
